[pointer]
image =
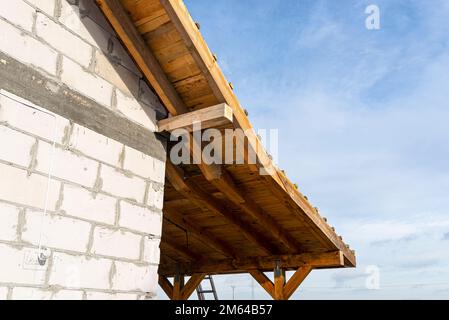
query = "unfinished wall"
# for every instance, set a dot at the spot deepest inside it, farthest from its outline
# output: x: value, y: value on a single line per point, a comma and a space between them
x: 82, y: 172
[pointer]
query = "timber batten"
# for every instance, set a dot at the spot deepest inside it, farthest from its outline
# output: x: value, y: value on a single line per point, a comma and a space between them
x: 219, y: 219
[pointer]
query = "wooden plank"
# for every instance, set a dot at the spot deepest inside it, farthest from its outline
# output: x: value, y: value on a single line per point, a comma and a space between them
x: 200, y: 233
x: 264, y: 281
x: 184, y: 252
x: 266, y: 263
x: 192, y: 284
x: 200, y: 197
x: 207, y: 118
x: 295, y: 281
x: 323, y: 231
x: 166, y: 286
x: 123, y: 25
x: 227, y: 186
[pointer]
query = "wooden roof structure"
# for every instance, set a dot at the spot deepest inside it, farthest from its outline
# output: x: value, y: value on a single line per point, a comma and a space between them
x: 219, y: 219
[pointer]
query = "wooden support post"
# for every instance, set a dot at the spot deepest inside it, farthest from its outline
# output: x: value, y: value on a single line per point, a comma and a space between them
x: 178, y: 286
x: 280, y: 290
x: 279, y: 282
x: 179, y: 290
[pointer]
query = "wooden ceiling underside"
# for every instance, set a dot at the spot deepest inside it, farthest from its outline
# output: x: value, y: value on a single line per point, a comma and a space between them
x: 228, y: 216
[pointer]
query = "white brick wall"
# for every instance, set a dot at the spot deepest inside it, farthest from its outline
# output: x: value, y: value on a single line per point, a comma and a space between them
x: 9, y: 217
x: 26, y: 293
x: 19, y: 13
x: 138, y: 162
x: 140, y: 219
x: 86, y: 83
x: 79, y: 272
x: 26, y: 49
x: 56, y: 231
x: 119, y: 184
x: 131, y: 277
x: 90, y: 253
x: 14, y: 112
x: 116, y: 74
x: 151, y: 253
x: 116, y: 243
x: 14, y: 270
x: 96, y: 145
x: 82, y: 203
x: 83, y: 26
x: 17, y: 187
x: 16, y: 147
x: 47, y: 6
x: 66, y: 165
x: 110, y: 296
x: 158, y: 171
x: 138, y: 112
x: 63, y: 40
x: 155, y: 196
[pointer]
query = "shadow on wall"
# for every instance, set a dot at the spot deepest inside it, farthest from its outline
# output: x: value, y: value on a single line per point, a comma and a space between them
x: 111, y: 61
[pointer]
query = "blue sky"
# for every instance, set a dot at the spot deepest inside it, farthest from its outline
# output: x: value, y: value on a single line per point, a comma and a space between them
x: 363, y: 119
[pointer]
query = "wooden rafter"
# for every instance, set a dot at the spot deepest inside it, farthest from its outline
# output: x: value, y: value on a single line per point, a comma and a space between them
x: 142, y: 55
x: 207, y: 63
x: 227, y: 186
x: 200, y: 197
x: 267, y: 263
x: 296, y: 202
x: 201, y: 233
x: 183, y: 251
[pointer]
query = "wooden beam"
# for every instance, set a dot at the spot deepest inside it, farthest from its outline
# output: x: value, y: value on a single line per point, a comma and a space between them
x: 215, y: 116
x: 297, y: 203
x: 201, y: 234
x: 192, y: 284
x: 279, y: 282
x: 264, y: 281
x: 202, y: 198
x: 295, y: 281
x: 166, y: 286
x: 144, y: 58
x: 267, y: 263
x: 227, y: 186
x: 178, y: 285
x: 183, y: 251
